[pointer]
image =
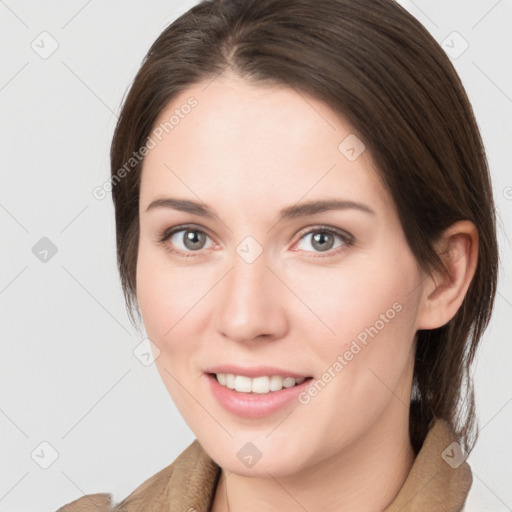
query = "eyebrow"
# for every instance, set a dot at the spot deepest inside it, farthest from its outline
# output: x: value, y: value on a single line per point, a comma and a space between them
x: 290, y: 212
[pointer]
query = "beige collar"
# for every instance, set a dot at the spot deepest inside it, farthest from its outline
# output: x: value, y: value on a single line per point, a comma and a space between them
x: 438, y: 481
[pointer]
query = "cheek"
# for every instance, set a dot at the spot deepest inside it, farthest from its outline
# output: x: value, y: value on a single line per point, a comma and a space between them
x: 166, y: 297
x: 372, y: 313
x: 360, y: 299
x: 173, y: 299
x: 154, y: 297
x: 165, y: 293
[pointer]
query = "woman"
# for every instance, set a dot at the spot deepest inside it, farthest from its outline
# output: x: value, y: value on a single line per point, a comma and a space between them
x: 305, y: 224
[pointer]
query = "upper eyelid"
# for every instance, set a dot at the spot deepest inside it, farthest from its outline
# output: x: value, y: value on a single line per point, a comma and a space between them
x: 185, y: 227
x: 320, y: 227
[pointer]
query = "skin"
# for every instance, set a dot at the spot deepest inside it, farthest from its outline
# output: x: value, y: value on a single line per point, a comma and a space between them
x: 247, y: 151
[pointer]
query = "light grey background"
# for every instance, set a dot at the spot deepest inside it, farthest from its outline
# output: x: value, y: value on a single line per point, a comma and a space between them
x: 68, y: 375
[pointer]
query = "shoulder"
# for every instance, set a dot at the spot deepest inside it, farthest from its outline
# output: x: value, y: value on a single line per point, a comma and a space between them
x: 193, y: 468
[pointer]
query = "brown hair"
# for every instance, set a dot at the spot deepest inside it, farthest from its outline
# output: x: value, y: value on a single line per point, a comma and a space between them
x: 374, y: 63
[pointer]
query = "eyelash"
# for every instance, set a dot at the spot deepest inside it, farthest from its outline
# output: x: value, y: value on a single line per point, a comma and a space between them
x: 347, y: 240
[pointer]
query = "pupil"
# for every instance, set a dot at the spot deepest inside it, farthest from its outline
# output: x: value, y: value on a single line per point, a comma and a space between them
x: 319, y: 238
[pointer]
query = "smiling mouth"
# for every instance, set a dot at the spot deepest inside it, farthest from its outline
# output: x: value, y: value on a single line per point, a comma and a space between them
x: 257, y: 385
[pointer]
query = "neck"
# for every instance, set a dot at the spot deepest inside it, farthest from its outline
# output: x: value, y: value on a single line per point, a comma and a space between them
x: 365, y: 476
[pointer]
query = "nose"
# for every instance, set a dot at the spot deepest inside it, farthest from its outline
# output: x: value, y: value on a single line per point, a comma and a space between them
x: 252, y: 302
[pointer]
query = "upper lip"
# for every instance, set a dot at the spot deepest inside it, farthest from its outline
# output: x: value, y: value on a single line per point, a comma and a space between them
x: 254, y: 371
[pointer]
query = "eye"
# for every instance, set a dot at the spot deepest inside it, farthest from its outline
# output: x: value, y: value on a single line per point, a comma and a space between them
x: 185, y: 240
x: 323, y: 240
x: 182, y: 240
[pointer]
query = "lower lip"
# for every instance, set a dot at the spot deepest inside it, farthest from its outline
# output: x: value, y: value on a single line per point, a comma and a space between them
x: 254, y: 405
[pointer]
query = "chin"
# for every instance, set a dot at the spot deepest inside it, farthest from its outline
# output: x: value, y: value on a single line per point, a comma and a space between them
x: 257, y: 458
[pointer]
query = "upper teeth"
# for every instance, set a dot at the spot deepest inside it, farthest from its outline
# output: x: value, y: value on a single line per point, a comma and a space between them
x: 258, y: 384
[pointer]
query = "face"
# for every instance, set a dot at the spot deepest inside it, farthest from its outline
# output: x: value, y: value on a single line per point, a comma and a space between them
x: 241, y: 271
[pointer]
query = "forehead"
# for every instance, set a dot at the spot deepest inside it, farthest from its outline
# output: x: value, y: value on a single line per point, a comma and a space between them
x: 249, y: 140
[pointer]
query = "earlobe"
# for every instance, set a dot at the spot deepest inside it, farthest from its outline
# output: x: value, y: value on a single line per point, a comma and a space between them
x: 444, y: 291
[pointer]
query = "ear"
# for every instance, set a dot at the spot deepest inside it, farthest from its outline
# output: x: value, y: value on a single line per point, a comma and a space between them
x: 444, y: 292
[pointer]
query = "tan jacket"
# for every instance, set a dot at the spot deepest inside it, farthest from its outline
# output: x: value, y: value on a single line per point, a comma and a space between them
x: 437, y: 482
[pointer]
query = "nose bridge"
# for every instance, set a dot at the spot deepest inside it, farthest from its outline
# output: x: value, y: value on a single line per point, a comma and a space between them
x: 250, y: 305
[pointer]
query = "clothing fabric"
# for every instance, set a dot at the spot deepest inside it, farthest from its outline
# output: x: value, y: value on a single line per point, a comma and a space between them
x: 437, y: 482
